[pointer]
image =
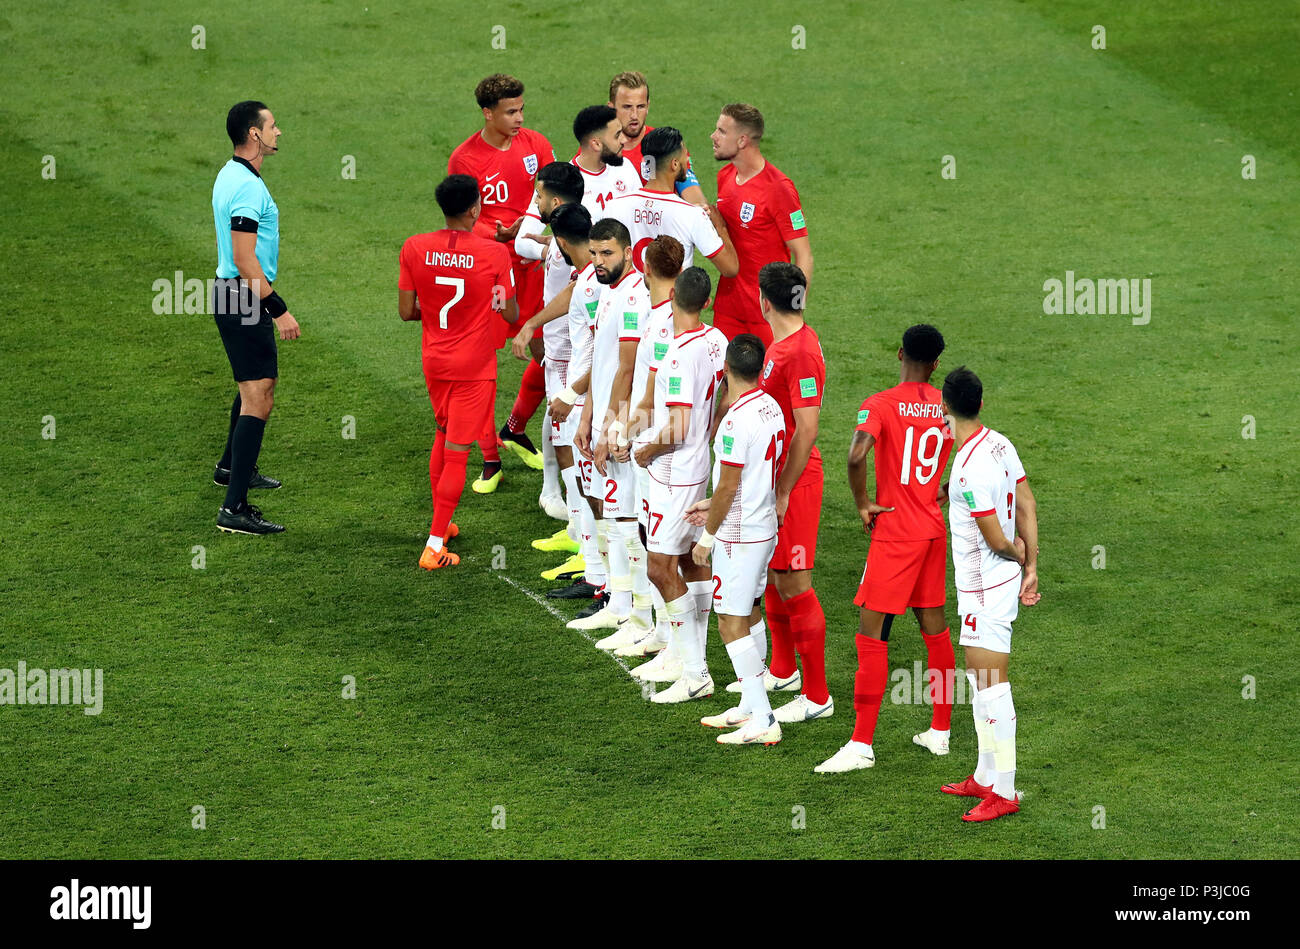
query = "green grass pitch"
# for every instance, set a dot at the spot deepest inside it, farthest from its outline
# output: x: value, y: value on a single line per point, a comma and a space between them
x: 223, y: 685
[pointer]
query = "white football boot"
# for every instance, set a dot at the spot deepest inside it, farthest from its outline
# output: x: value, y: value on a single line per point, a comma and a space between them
x: 554, y: 506
x: 754, y: 733
x: 772, y: 684
x: 647, y: 645
x: 604, y: 618
x: 731, y: 718
x: 685, y: 689
x: 662, y: 668
x: 932, y: 739
x: 801, y: 709
x: 851, y: 757
x: 626, y: 634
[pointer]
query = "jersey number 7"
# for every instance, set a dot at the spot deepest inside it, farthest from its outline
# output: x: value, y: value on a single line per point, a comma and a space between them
x: 459, y: 284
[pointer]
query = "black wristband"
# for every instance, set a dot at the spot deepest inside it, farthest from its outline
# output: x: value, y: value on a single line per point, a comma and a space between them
x: 273, y: 306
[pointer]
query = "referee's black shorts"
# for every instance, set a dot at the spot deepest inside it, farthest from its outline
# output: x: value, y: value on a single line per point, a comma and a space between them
x: 246, y: 332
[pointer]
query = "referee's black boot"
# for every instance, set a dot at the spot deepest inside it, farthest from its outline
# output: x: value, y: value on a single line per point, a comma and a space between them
x: 579, y: 589
x: 263, y: 482
x: 247, y: 520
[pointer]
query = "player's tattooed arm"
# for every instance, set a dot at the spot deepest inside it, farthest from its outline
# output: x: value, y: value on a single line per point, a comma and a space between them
x: 1027, y: 531
x: 859, y: 450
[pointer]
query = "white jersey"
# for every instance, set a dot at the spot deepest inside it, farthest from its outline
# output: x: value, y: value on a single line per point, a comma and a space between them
x: 688, y: 375
x: 985, y: 472
x: 602, y: 187
x: 658, y: 334
x: 580, y: 322
x: 648, y: 214
x: 751, y: 437
x: 620, y: 317
x: 555, y: 334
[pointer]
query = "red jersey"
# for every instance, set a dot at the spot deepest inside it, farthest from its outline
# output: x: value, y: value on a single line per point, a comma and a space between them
x: 454, y: 275
x: 761, y: 215
x: 505, y: 178
x: 912, y: 446
x: 795, y: 375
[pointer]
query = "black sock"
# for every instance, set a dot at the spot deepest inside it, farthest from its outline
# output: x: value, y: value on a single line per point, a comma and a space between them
x: 522, y: 439
x: 246, y: 443
x: 230, y: 435
x: 490, y: 468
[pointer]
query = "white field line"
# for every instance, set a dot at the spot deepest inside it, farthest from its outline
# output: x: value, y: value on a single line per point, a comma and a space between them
x: 647, y: 688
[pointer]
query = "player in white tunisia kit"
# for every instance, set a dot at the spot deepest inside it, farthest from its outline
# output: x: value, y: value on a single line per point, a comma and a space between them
x: 663, y: 259
x: 740, y: 526
x: 656, y: 209
x: 602, y: 432
x: 676, y: 450
x: 989, y: 504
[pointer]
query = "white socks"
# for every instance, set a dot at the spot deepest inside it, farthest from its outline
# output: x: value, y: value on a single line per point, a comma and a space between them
x: 983, y: 733
x: 759, y: 632
x: 639, y: 563
x: 550, y: 467
x: 702, y: 591
x: 999, y: 715
x: 620, y: 570
x: 749, y: 666
x: 682, y: 616
x: 434, y: 542
x: 662, y: 628
x: 573, y: 501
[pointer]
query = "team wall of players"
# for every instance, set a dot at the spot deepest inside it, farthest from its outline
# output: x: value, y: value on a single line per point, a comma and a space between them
x: 639, y: 389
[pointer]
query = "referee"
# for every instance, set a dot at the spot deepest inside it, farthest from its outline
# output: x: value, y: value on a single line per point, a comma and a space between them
x: 245, y: 305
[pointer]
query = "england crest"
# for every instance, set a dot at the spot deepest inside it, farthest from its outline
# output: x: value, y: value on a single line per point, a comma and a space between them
x: 746, y: 212
x: 530, y: 164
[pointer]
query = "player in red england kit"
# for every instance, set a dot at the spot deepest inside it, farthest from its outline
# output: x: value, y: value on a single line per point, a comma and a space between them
x: 503, y: 157
x: 763, y: 215
x: 452, y: 281
x: 908, y: 552
x: 629, y: 97
x: 795, y: 375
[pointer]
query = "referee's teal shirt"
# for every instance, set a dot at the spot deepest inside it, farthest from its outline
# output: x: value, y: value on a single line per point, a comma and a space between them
x: 240, y: 195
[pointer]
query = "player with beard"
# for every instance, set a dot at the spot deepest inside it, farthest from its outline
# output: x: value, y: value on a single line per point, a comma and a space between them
x: 764, y: 218
x: 655, y: 209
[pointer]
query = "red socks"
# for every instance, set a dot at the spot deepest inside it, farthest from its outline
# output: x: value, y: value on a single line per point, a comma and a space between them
x: 808, y: 630
x: 869, y: 686
x: 778, y: 623
x: 941, y: 674
x: 446, y: 493
x: 532, y: 389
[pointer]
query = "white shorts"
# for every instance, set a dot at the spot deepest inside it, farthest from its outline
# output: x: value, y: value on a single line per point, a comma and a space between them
x: 667, y: 530
x: 740, y: 575
x: 618, y: 494
x: 554, y: 372
x: 986, y: 618
x: 643, y: 493
x: 562, y: 432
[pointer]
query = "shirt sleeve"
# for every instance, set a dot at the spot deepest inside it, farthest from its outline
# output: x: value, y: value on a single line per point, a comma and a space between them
x: 732, y: 443
x: 805, y: 378
x: 632, y: 322
x: 785, y: 207
x: 871, y: 418
x: 704, y: 235
x: 247, y: 202
x: 504, y: 275
x: 405, y: 279
x: 544, y: 150
x: 1014, y: 466
x: 532, y: 224
x: 680, y: 381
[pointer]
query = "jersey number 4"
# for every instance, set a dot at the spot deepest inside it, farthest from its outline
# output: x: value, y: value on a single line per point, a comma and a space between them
x: 927, y: 458
x: 459, y: 284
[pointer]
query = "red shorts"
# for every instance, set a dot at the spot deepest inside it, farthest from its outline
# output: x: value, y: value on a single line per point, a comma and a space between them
x: 796, y: 540
x: 731, y: 327
x: 903, y: 573
x: 462, y: 409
